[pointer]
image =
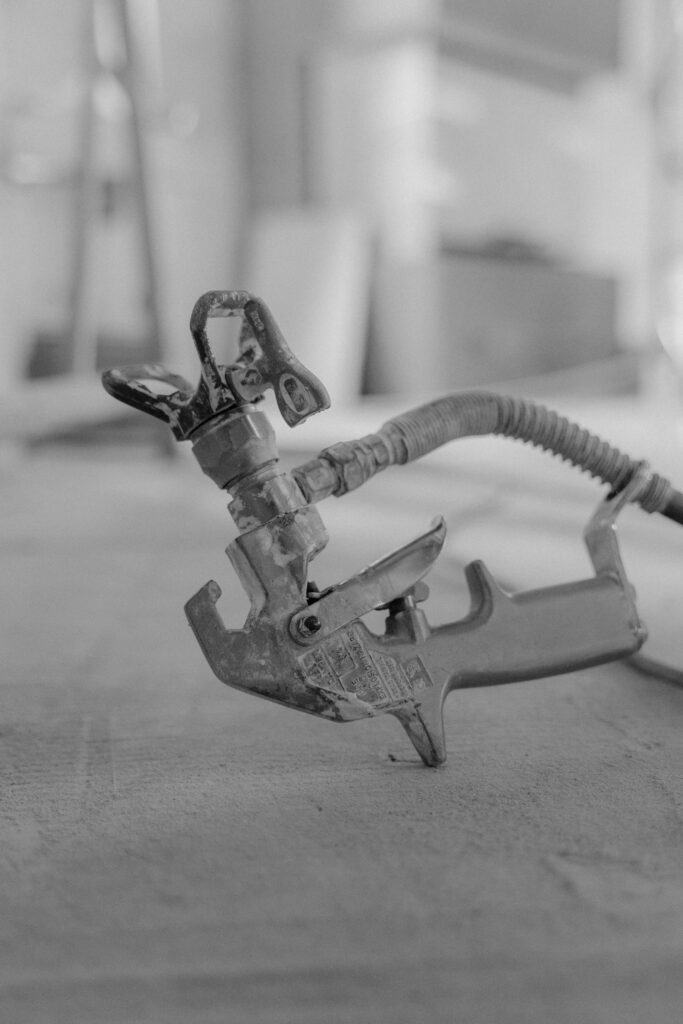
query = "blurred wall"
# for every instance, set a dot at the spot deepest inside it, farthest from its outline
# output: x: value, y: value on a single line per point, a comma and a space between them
x: 196, y: 156
x: 467, y: 123
x: 39, y: 50
x: 390, y: 106
x: 465, y: 131
x: 279, y: 41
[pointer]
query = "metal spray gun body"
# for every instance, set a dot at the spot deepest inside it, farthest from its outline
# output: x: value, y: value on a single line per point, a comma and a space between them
x: 311, y: 649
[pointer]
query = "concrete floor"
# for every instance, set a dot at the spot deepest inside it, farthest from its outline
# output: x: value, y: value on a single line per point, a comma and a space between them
x: 175, y: 851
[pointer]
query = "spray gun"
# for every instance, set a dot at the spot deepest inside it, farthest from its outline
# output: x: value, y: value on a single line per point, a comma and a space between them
x: 309, y: 648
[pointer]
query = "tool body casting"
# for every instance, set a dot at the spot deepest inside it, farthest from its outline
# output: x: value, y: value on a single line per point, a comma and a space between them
x: 310, y: 649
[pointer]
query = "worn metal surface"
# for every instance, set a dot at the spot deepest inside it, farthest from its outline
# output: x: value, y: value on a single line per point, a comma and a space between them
x: 345, y: 671
x: 336, y: 667
x: 312, y: 651
x: 265, y: 362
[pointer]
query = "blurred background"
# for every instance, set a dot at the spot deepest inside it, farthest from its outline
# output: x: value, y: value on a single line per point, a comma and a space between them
x: 430, y: 194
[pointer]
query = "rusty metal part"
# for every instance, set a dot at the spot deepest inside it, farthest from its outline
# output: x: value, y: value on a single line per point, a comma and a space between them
x: 311, y: 649
x: 265, y: 362
x: 229, y: 447
x: 321, y: 658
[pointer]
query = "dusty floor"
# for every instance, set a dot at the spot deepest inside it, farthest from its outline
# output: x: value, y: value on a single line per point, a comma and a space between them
x: 174, y: 851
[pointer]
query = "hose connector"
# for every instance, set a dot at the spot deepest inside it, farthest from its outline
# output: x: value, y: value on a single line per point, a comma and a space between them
x: 345, y: 466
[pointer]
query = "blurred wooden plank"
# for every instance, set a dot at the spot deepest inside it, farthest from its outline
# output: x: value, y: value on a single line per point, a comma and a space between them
x: 35, y: 409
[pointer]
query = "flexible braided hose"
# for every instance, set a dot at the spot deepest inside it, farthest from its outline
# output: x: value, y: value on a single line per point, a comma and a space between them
x: 347, y: 465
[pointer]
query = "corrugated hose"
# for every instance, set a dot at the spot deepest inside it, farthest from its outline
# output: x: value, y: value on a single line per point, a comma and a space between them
x: 349, y: 464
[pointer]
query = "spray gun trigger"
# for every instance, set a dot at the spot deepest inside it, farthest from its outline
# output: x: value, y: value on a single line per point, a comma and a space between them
x: 380, y: 584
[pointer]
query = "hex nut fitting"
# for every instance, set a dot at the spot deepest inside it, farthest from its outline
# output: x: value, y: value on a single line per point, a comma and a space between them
x: 317, y: 479
x: 228, y: 448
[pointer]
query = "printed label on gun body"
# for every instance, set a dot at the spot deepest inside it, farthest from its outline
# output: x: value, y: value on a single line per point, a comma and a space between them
x: 343, y: 664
